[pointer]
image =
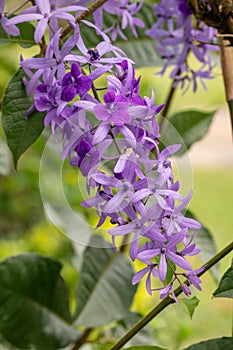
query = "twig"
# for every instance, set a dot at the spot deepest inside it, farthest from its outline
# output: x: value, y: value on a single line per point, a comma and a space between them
x: 227, y: 71
x: 83, y: 16
x: 82, y: 339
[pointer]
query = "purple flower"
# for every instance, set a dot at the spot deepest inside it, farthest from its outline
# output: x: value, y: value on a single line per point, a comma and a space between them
x: 166, y: 251
x: 115, y: 109
x: 43, y: 12
x: 125, y: 11
x: 5, y: 22
x: 95, y: 56
x: 74, y: 83
x: 176, y: 39
x: 87, y: 157
x: 52, y: 65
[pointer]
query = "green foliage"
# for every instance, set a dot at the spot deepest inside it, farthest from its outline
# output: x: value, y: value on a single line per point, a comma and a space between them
x: 25, y: 39
x: 186, y: 128
x: 225, y: 288
x: 190, y: 305
x: 21, y: 133
x: 105, y: 291
x: 138, y: 49
x: 213, y: 344
x: 34, y: 309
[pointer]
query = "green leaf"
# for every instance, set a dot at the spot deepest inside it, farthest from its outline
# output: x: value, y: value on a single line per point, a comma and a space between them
x: 34, y: 310
x: 186, y: 128
x: 138, y: 49
x: 213, y: 344
x: 25, y: 39
x: 225, y: 288
x: 190, y: 305
x: 205, y: 241
x: 20, y: 132
x: 105, y: 291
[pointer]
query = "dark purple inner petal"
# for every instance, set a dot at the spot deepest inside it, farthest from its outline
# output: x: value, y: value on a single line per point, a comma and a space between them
x: 68, y: 93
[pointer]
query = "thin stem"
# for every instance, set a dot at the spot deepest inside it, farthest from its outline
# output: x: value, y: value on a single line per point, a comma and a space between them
x: 115, y: 142
x: 83, y: 16
x: 167, y: 106
x: 43, y: 46
x: 82, y: 340
x: 18, y: 8
x: 167, y: 301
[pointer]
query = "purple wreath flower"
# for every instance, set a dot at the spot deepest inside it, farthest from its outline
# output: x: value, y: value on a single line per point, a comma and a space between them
x: 115, y: 109
x: 43, y: 12
x: 74, y: 83
x: 5, y: 22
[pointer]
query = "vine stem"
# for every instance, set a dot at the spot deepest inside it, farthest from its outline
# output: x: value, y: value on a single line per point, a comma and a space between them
x: 167, y: 106
x: 83, y: 16
x: 226, y: 53
x: 82, y: 339
x: 167, y: 301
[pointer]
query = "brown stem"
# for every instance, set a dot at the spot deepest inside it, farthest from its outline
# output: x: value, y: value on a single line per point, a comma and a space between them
x: 82, y: 340
x: 167, y: 106
x: 226, y: 52
x: 83, y: 16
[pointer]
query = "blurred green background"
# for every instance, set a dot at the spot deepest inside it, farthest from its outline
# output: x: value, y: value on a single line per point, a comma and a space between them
x: 24, y: 227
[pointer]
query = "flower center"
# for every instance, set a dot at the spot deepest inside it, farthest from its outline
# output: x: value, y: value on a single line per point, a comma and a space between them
x: 94, y: 55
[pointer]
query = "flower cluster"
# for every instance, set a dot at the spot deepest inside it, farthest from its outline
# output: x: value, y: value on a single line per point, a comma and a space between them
x: 118, y: 150
x: 177, y: 38
x: 124, y: 12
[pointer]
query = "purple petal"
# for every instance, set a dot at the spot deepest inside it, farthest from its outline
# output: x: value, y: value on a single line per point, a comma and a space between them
x: 43, y: 6
x: 106, y: 180
x: 128, y: 135
x: 114, y: 203
x: 101, y: 112
x: 83, y: 85
x: 179, y: 260
x: 75, y: 70
x: 25, y: 18
x: 122, y: 229
x: 68, y: 93
x: 101, y: 133
x: 140, y: 274
x: 10, y: 29
x: 148, y: 254
x: 162, y: 267
x: 109, y: 97
x: 140, y: 194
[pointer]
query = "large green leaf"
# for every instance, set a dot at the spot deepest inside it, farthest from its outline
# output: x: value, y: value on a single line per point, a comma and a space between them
x: 25, y: 39
x: 205, y: 241
x: 105, y: 291
x: 34, y: 310
x: 213, y: 344
x: 225, y: 288
x: 186, y: 128
x: 141, y: 50
x: 21, y: 133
